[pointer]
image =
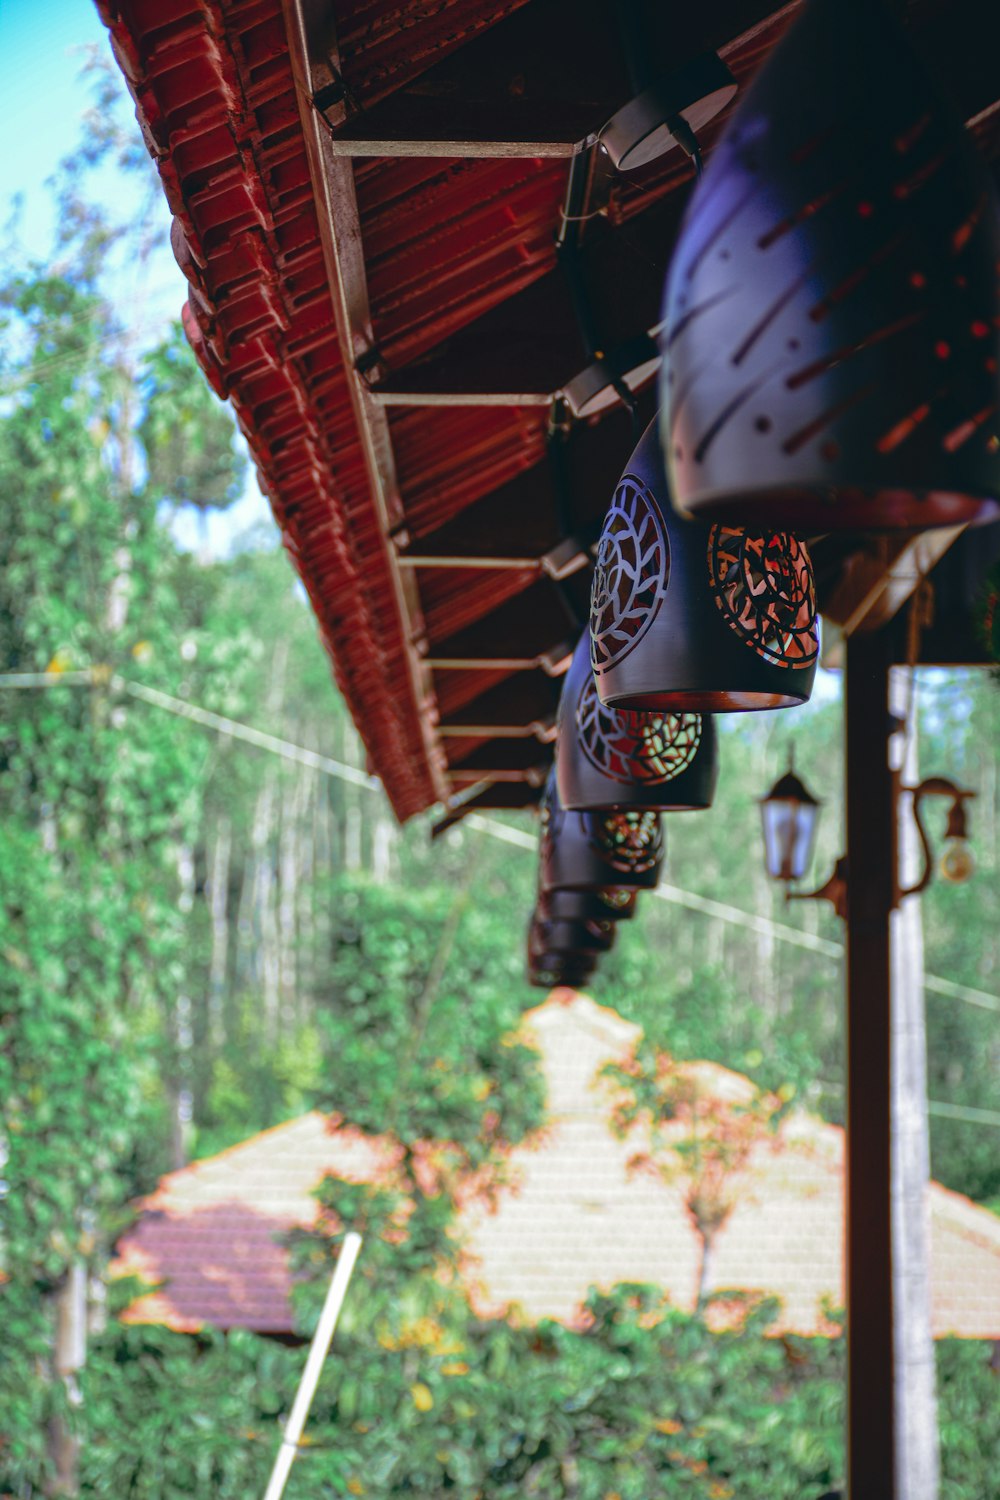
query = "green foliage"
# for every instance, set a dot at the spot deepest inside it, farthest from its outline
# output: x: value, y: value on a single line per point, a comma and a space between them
x: 99, y: 800
x: 423, y: 997
x: 968, y: 1420
x: 645, y: 1403
x: 63, y: 1078
x: 186, y: 434
x: 960, y: 731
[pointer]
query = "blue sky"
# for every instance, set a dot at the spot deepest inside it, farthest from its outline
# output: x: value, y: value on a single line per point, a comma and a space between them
x: 43, y: 100
x: 43, y: 45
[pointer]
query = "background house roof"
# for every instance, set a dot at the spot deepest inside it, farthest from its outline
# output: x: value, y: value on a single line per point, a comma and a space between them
x: 375, y: 288
x: 574, y: 1216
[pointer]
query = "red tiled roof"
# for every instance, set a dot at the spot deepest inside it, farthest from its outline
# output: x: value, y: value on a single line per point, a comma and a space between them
x: 574, y: 1216
x: 217, y: 103
x: 211, y: 1231
x: 442, y: 271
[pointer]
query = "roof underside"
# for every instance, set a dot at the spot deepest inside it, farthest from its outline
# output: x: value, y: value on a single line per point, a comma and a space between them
x: 375, y: 288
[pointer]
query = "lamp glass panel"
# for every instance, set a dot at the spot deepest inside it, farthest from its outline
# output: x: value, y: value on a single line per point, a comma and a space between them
x: 789, y: 831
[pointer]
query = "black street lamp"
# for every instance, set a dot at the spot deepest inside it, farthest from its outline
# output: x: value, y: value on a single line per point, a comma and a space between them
x: 790, y: 814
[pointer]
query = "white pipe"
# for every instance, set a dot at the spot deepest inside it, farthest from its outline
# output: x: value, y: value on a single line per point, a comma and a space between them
x: 314, y: 1364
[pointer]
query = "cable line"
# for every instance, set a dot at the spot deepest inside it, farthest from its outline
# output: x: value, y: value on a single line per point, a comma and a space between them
x: 752, y: 921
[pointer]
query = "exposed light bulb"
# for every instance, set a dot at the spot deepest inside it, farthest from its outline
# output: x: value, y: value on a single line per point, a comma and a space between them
x: 957, y: 862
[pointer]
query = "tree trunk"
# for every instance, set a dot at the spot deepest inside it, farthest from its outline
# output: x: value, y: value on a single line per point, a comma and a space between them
x: 704, y: 1269
x: 382, y: 842
x: 68, y: 1356
x: 307, y: 899
x: 219, y: 908
x: 288, y: 891
x: 264, y: 926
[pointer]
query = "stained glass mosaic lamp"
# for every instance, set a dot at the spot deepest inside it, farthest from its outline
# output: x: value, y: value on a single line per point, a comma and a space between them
x: 569, y: 937
x: 546, y: 971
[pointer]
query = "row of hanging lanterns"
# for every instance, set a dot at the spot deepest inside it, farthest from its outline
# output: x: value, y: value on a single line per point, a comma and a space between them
x: 829, y: 361
x: 593, y: 864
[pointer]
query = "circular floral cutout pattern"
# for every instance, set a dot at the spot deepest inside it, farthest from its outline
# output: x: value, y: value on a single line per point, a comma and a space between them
x: 630, y: 575
x: 635, y: 747
x: 630, y: 842
x: 616, y: 897
x: 763, y: 584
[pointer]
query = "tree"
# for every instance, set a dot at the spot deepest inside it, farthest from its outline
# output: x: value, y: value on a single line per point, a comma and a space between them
x: 698, y: 1129
x: 186, y: 434
x: 99, y: 803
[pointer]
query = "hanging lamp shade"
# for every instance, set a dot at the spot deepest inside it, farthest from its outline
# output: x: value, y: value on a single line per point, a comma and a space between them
x: 554, y: 969
x: 688, y: 618
x: 609, y: 905
x: 586, y: 851
x: 831, y: 333
x: 569, y: 937
x: 611, y: 758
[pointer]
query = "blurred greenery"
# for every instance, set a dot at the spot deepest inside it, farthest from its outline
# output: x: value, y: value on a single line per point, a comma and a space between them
x: 643, y: 1403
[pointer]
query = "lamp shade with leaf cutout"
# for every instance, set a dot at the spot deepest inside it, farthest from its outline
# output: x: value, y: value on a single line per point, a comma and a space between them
x: 560, y: 936
x: 547, y: 971
x: 608, y: 905
x: 831, y: 333
x: 589, y: 851
x: 613, y: 758
x: 693, y: 618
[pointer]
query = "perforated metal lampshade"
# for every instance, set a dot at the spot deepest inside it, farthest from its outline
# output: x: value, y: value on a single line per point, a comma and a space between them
x: 831, y: 332
x: 554, y: 969
x: 569, y: 937
x: 586, y: 851
x: 611, y: 758
x: 687, y: 618
x: 609, y: 905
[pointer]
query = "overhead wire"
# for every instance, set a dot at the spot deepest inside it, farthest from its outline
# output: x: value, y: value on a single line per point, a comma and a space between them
x: 517, y: 837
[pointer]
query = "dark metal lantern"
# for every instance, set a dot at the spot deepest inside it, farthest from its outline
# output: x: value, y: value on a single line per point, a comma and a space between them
x: 697, y: 619
x: 789, y: 814
x: 586, y: 851
x: 609, y: 757
x: 569, y: 937
x: 610, y: 905
x: 830, y: 334
x: 555, y: 969
x: 619, y: 902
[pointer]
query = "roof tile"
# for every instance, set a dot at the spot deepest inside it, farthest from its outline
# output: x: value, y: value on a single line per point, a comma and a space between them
x: 573, y: 1215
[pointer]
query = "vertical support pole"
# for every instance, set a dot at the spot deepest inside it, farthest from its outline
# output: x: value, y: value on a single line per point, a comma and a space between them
x: 917, y: 1462
x: 871, y: 853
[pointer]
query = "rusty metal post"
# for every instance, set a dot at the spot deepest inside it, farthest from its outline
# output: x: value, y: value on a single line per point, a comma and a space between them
x: 871, y: 853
